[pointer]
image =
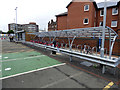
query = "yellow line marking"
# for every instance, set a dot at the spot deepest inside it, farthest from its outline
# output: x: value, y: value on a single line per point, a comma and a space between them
x: 108, y: 86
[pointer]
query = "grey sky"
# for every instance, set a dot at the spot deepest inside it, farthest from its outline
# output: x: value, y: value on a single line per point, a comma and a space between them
x: 39, y: 11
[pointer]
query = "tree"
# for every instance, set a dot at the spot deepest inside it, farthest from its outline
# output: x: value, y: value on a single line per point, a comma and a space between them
x: 4, y: 32
x: 10, y: 32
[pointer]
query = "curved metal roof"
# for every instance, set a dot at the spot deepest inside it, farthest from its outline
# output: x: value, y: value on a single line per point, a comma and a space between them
x: 80, y: 32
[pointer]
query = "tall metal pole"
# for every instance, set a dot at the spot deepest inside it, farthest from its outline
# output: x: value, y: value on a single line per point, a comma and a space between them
x: 16, y: 24
x: 104, y: 24
x: 103, y: 34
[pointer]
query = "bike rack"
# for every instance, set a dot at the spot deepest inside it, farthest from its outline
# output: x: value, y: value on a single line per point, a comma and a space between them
x: 65, y: 46
x: 93, y: 49
x: 105, y: 52
x: 61, y: 45
x: 74, y: 45
x: 86, y: 49
x: 71, y: 35
x: 80, y: 47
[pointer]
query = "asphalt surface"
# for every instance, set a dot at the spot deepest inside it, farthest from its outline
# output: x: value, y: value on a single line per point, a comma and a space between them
x: 65, y: 76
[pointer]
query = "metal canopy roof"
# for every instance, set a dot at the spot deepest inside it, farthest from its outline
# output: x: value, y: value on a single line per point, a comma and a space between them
x: 80, y: 32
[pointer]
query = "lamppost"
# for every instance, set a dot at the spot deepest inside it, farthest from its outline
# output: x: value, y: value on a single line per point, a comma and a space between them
x: 16, y: 24
x: 103, y: 33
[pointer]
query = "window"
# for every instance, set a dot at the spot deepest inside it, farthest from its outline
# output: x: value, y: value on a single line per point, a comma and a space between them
x: 101, y: 12
x: 114, y: 24
x: 114, y: 11
x: 101, y: 23
x: 86, y: 8
x: 86, y: 21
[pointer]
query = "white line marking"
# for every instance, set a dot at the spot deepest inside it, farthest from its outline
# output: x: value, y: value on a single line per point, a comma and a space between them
x: 5, y: 57
x: 56, y: 82
x: 21, y: 58
x: 7, y: 69
x: 33, y: 71
x: 33, y: 57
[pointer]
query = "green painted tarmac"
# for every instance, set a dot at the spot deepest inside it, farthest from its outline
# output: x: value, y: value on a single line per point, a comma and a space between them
x: 9, y: 56
x: 23, y: 62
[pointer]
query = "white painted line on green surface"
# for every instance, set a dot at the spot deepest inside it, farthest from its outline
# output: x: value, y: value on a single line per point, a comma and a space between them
x: 7, y: 69
x: 21, y: 58
x: 5, y: 57
x: 33, y: 71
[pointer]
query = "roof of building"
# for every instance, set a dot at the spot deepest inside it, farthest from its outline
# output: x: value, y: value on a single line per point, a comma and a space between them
x: 79, y: 1
x: 109, y: 4
x: 97, y: 5
x: 62, y: 14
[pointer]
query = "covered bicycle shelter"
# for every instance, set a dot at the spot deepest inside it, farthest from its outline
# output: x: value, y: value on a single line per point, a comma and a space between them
x: 84, y: 52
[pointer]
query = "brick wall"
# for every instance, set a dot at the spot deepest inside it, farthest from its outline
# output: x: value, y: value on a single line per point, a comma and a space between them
x: 52, y: 25
x: 61, y: 22
x: 28, y: 37
x: 109, y: 18
x: 118, y: 34
x: 119, y: 17
x: 76, y: 15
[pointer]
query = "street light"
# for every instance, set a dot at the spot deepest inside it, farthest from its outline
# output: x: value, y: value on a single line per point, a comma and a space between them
x: 16, y: 24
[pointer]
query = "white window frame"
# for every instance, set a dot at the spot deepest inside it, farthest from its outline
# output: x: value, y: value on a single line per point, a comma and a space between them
x: 85, y: 8
x: 101, y: 13
x: 114, y: 13
x: 116, y: 23
x: 84, y: 21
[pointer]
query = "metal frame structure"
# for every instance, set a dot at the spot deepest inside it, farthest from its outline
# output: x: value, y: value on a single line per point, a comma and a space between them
x: 72, y: 34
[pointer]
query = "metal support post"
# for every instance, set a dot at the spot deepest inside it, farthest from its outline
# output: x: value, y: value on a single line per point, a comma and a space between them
x: 103, y: 34
x: 70, y: 45
x: 70, y: 58
x: 53, y: 39
x: 16, y: 25
x: 103, y: 69
x: 109, y: 44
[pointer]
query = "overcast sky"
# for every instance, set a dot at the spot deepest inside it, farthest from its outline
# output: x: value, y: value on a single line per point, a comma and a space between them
x: 39, y: 11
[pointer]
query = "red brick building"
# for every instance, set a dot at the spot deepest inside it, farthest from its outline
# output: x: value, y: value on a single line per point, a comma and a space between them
x: 62, y: 21
x: 88, y: 13
x: 52, y: 25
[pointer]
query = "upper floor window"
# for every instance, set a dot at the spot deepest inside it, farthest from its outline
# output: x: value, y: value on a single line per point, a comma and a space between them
x: 86, y: 21
x: 114, y: 11
x: 86, y: 8
x: 114, y: 24
x: 101, y: 12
